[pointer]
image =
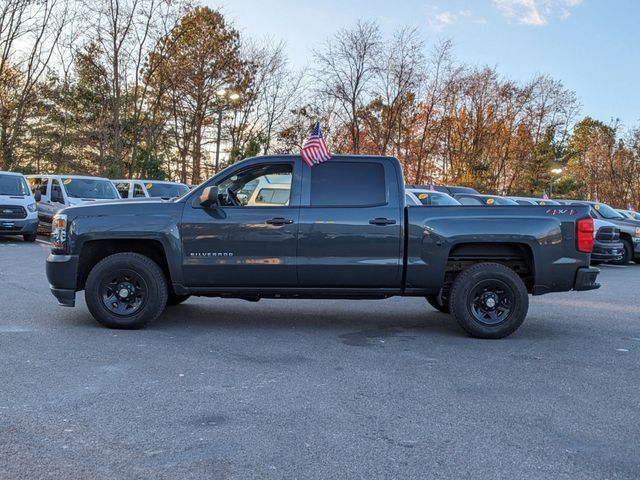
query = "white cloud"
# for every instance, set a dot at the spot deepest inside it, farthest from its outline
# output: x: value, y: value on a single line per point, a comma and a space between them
x: 536, y: 12
x: 440, y: 20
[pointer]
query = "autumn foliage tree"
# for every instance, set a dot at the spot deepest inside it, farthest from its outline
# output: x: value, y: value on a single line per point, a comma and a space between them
x: 130, y: 88
x: 200, y: 57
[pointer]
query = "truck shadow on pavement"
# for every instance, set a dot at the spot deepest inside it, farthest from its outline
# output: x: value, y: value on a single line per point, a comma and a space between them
x: 368, y: 324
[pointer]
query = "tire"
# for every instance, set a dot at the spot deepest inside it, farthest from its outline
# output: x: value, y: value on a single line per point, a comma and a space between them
x: 489, y: 300
x: 439, y: 302
x: 29, y: 237
x: 142, y: 280
x: 627, y: 255
x: 174, y: 299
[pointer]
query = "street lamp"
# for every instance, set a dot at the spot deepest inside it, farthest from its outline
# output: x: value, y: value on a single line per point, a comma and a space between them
x: 557, y: 172
x: 222, y: 94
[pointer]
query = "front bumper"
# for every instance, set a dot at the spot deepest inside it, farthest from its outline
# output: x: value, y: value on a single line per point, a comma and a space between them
x: 62, y: 273
x: 18, y: 227
x: 607, y: 251
x: 586, y: 279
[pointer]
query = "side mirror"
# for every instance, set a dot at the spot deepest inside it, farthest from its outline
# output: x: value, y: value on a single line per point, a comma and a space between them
x: 209, y: 197
x: 56, y: 197
x: 37, y: 195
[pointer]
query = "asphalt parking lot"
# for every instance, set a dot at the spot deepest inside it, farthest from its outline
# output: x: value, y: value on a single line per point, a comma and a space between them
x: 317, y: 389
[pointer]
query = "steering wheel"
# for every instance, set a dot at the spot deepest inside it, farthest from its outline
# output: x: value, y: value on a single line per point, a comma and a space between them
x: 233, y: 198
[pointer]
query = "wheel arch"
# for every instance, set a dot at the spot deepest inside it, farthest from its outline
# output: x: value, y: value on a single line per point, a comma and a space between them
x: 95, y: 250
x: 516, y: 255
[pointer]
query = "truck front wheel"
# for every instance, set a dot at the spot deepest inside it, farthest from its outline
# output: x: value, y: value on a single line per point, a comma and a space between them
x: 489, y: 300
x: 126, y: 290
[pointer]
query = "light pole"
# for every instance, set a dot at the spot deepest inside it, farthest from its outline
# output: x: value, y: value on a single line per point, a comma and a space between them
x: 222, y: 94
x: 557, y: 172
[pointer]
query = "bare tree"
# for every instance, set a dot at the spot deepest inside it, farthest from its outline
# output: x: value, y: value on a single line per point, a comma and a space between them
x: 400, y: 72
x: 345, y: 70
x: 29, y: 33
x: 268, y: 92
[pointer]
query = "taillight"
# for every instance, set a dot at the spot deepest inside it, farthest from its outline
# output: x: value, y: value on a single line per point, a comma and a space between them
x: 584, y: 235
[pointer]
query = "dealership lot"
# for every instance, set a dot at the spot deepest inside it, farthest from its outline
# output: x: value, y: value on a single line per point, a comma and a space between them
x: 316, y: 389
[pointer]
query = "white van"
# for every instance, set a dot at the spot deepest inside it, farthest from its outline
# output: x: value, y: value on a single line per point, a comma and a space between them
x: 149, y: 188
x: 60, y: 191
x: 18, y: 210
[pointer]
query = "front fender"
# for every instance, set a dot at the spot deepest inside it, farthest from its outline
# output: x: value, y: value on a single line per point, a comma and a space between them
x: 162, y: 227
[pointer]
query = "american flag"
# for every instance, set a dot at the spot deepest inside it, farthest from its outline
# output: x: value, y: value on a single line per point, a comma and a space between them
x: 596, y: 197
x: 545, y: 195
x: 314, y: 150
x: 630, y: 207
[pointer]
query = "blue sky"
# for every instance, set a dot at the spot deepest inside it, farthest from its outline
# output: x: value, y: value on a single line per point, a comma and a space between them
x: 592, y: 46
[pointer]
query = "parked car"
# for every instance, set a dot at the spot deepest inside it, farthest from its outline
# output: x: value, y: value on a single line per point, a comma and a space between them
x: 430, y: 197
x: 60, y: 191
x: 149, y: 188
x: 629, y: 229
x: 607, y: 246
x: 448, y: 189
x: 344, y: 233
x: 484, y: 200
x: 630, y: 214
x: 18, y: 209
x: 533, y: 201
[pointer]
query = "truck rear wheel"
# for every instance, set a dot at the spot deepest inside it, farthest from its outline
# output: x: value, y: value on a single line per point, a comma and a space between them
x: 439, y: 302
x: 489, y: 300
x: 126, y: 290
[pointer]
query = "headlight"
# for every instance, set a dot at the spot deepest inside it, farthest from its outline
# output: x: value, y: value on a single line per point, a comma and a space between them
x: 637, y: 232
x: 59, y: 232
x: 32, y: 208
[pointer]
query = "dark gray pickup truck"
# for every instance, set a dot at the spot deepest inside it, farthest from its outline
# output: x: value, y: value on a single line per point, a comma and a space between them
x: 271, y: 227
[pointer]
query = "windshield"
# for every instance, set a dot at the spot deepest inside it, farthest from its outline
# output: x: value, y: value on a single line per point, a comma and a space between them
x: 607, y: 212
x: 428, y: 197
x: 90, y: 188
x: 13, y: 185
x: 166, y: 190
x: 499, y: 201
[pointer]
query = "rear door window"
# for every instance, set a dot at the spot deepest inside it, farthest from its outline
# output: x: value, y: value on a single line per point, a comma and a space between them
x: 348, y: 184
x: 138, y: 191
x: 123, y: 189
x: 56, y: 192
